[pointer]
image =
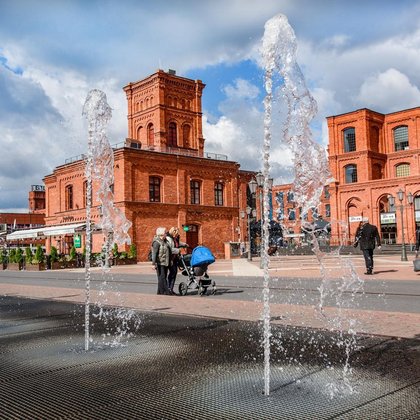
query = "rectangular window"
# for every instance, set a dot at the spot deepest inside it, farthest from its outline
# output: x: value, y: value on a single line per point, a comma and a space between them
x: 402, y: 170
x: 195, y: 192
x: 327, y: 210
x: 69, y: 197
x: 292, y: 214
x: 154, y: 189
x: 218, y: 194
x: 326, y: 192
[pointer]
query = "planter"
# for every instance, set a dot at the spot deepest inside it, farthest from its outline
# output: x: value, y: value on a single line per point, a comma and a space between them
x: 14, y: 266
x: 35, y: 267
x: 124, y: 261
x: 57, y: 265
x: 71, y: 264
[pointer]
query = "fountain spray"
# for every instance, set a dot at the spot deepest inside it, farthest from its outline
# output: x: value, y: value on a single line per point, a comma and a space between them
x: 100, y: 169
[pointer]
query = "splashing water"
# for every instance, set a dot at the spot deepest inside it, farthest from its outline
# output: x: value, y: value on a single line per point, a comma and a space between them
x: 311, y: 172
x: 309, y: 158
x: 100, y: 169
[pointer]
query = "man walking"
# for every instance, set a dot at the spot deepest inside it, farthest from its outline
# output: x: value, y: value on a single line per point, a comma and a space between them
x: 366, y: 236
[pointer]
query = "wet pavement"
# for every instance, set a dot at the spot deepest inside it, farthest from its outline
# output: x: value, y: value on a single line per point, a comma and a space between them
x: 182, y: 367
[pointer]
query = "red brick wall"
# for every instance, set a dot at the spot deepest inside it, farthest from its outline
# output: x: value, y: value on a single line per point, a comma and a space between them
x: 366, y: 197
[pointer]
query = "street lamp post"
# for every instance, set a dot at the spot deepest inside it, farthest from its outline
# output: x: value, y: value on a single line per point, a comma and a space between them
x: 260, y: 183
x: 252, y: 189
x: 248, y: 213
x: 391, y: 200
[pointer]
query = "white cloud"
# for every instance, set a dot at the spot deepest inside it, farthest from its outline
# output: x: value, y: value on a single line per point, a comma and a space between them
x: 390, y: 90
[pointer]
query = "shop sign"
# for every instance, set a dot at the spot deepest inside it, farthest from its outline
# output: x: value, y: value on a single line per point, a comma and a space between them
x: 353, y: 219
x: 77, y: 241
x: 387, y: 218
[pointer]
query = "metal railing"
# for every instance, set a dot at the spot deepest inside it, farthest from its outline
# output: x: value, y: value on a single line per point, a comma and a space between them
x: 171, y: 150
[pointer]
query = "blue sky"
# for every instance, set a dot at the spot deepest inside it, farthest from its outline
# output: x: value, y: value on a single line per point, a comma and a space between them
x: 353, y: 54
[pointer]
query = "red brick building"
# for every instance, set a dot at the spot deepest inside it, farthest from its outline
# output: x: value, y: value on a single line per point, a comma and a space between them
x: 289, y: 216
x: 162, y: 175
x: 373, y: 156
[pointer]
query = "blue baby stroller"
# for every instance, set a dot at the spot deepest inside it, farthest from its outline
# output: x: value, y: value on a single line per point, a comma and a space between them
x: 194, y: 266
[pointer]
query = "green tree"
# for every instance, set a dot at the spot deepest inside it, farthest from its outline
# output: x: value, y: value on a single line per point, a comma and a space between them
x: 3, y: 256
x: 28, y: 255
x: 12, y: 256
x: 53, y: 254
x: 115, y: 252
x: 132, y: 252
x: 39, y: 255
x: 73, y: 253
x: 19, y: 256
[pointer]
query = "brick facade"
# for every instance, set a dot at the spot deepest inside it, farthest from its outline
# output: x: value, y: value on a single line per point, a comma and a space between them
x: 166, y: 147
x: 380, y: 155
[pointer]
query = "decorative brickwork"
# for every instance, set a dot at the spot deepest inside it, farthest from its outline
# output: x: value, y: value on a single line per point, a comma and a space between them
x: 170, y: 105
x: 383, y: 143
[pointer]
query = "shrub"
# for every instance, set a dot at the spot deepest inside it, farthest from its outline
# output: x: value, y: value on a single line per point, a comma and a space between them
x: 3, y: 256
x: 54, y: 254
x: 73, y: 254
x: 28, y: 255
x: 115, y: 252
x: 39, y: 255
x: 19, y: 256
x: 12, y: 256
x: 123, y: 255
x: 132, y: 253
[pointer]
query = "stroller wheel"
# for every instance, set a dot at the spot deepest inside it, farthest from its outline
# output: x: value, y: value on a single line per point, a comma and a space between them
x: 213, y: 290
x: 202, y: 290
x: 183, y: 288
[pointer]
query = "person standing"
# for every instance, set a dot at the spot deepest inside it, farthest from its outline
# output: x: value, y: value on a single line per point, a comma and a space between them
x: 367, y: 236
x: 161, y: 257
x: 173, y: 239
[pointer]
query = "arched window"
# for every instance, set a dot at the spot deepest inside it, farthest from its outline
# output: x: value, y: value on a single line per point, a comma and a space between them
x: 172, y: 137
x: 150, y: 135
x: 195, y: 191
x: 69, y: 197
x: 350, y: 173
x: 377, y: 171
x: 402, y: 170
x: 139, y: 132
x: 401, y: 137
x: 154, y: 189
x: 218, y: 194
x: 186, y: 133
x: 349, y: 138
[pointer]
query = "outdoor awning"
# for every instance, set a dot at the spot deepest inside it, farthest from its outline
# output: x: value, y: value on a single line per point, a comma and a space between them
x: 45, y: 231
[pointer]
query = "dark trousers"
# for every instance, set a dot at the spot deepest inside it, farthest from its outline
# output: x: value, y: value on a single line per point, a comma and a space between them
x: 368, y: 254
x: 162, y: 273
x: 173, y: 270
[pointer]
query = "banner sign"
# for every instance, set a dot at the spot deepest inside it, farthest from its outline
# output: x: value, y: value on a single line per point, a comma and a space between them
x: 387, y: 218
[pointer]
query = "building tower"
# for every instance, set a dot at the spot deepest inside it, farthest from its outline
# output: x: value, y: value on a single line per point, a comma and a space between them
x: 164, y: 113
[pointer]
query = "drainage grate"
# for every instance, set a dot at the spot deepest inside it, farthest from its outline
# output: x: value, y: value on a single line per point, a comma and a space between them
x: 189, y: 368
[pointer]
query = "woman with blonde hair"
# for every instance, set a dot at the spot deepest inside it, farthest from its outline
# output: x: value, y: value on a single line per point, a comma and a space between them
x: 175, y: 245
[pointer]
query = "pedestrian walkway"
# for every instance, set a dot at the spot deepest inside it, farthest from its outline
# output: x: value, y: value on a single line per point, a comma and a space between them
x: 387, y: 267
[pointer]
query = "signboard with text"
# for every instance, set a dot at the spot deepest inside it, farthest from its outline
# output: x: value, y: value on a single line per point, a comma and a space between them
x: 387, y: 218
x: 77, y: 241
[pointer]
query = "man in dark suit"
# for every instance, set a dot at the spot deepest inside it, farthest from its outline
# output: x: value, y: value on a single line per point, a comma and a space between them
x: 366, y: 236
